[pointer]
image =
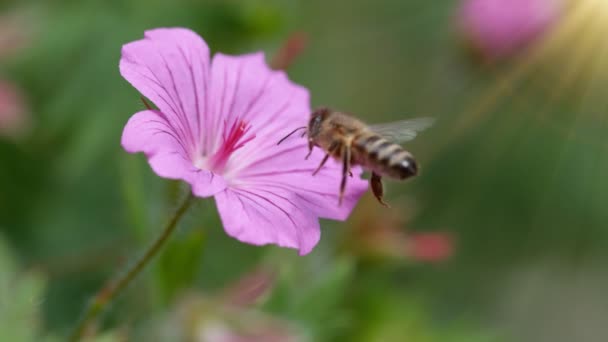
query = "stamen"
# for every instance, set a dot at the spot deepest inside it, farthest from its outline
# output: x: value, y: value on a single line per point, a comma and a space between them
x: 235, y: 138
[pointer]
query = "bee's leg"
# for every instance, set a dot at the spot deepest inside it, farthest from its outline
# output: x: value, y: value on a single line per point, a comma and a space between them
x: 331, y: 149
x: 310, y: 146
x: 350, y: 173
x: 345, y: 170
x: 321, y: 165
x: 377, y: 189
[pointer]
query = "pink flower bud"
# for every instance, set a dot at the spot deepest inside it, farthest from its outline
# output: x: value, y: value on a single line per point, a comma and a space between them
x: 291, y: 49
x: 430, y: 247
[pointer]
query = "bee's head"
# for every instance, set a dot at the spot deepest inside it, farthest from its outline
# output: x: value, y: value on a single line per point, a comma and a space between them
x: 316, y: 121
x: 315, y: 125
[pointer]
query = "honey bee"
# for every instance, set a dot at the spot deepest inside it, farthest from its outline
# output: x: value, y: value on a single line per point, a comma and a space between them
x: 373, y: 147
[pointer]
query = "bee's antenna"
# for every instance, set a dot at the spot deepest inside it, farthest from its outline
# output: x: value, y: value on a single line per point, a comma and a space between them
x: 288, y: 135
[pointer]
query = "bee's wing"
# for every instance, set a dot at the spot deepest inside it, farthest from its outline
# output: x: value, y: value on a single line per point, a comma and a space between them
x: 402, y: 131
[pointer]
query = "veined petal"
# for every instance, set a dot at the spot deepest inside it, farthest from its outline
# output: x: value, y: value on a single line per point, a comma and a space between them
x: 149, y: 132
x: 258, y: 216
x: 171, y: 67
x: 246, y: 89
x: 319, y: 193
x: 206, y: 183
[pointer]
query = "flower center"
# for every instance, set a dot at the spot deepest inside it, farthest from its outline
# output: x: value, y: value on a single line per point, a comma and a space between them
x: 233, y: 138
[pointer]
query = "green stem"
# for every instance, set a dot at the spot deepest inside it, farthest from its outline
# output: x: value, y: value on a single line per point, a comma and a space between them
x: 114, y: 287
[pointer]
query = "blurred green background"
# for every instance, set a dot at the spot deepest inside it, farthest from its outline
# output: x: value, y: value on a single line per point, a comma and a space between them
x: 502, y: 237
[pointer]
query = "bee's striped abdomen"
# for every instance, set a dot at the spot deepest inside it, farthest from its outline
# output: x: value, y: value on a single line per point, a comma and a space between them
x: 383, y: 157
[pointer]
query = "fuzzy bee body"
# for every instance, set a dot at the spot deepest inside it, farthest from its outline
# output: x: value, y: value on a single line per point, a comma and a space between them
x: 382, y: 156
x: 375, y: 148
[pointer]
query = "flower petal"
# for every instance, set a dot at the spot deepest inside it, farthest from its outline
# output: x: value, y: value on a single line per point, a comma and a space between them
x: 149, y: 132
x: 171, y: 68
x: 285, y: 167
x: 260, y: 217
x: 206, y: 183
x: 245, y: 88
x: 319, y: 193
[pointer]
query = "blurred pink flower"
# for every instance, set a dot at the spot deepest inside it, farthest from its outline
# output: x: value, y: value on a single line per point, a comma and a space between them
x: 14, y: 116
x: 201, y: 318
x: 379, y: 235
x: 501, y: 28
x: 250, y: 288
x: 217, y: 128
x: 229, y: 316
x: 430, y: 247
x: 256, y: 330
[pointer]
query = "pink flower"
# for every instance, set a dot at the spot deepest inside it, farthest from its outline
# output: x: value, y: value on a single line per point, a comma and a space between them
x: 217, y: 127
x: 501, y: 28
x: 250, y: 287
